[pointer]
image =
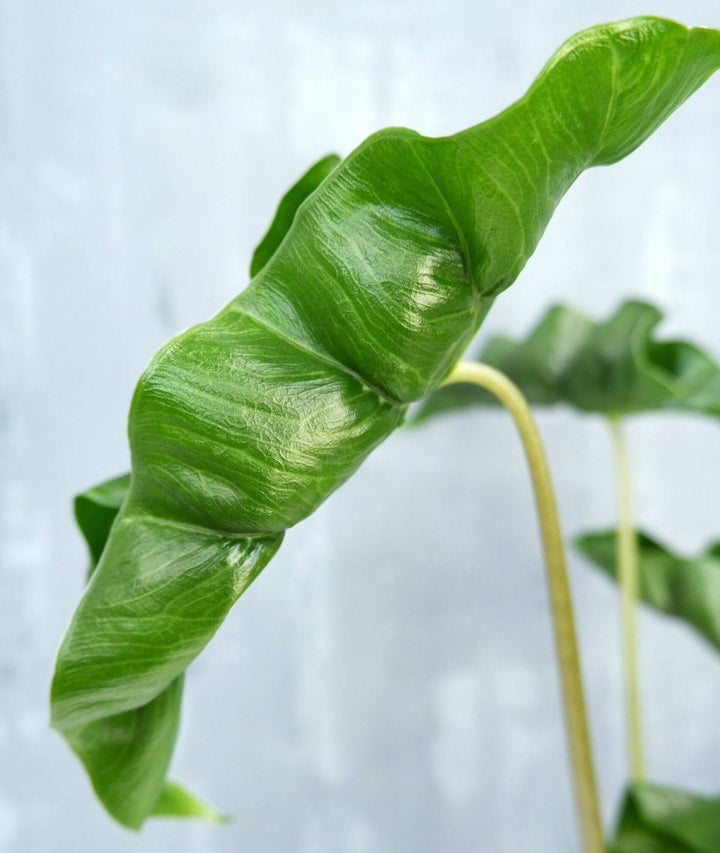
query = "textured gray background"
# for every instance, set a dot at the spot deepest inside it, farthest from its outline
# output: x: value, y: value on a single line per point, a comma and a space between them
x: 388, y: 683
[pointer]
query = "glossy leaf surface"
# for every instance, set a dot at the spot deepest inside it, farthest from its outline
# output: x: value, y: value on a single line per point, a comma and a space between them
x: 126, y: 752
x: 126, y: 755
x: 615, y: 366
x: 686, y: 588
x: 664, y: 820
x: 240, y: 427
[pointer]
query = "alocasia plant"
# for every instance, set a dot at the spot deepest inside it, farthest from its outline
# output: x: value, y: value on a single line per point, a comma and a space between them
x: 362, y: 301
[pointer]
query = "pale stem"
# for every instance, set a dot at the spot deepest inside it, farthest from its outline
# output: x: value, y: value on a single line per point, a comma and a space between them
x: 559, y: 592
x: 626, y: 559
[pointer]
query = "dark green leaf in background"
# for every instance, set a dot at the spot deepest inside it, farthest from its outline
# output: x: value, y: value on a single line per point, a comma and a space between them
x: 687, y: 588
x: 240, y: 427
x: 96, y: 510
x: 612, y: 367
x: 288, y: 208
x: 654, y: 819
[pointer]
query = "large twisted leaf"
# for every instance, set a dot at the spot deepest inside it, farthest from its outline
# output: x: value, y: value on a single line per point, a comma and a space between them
x: 687, y: 588
x: 127, y: 753
x: 611, y: 367
x: 240, y: 427
x: 664, y: 820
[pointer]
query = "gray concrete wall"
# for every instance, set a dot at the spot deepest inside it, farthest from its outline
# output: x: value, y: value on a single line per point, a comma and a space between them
x: 388, y: 683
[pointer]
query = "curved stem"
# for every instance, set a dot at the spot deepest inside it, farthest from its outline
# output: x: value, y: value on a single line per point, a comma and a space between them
x: 626, y: 560
x: 560, y: 602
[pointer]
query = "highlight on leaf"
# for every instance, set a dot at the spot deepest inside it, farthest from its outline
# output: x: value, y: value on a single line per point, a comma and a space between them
x: 657, y: 819
x: 611, y: 367
x: 241, y: 426
x: 686, y: 588
x: 125, y: 752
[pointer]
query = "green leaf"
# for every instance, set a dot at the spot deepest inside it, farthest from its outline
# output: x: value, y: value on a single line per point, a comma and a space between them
x: 288, y: 208
x: 686, y: 588
x: 611, y: 367
x: 240, y: 427
x: 654, y: 819
x: 96, y: 510
x: 126, y: 755
x: 175, y: 801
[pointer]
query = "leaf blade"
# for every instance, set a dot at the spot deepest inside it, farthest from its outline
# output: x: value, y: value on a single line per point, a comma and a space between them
x: 684, y: 588
x: 127, y: 755
x: 656, y: 819
x: 176, y: 801
x: 95, y: 511
x: 611, y: 367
